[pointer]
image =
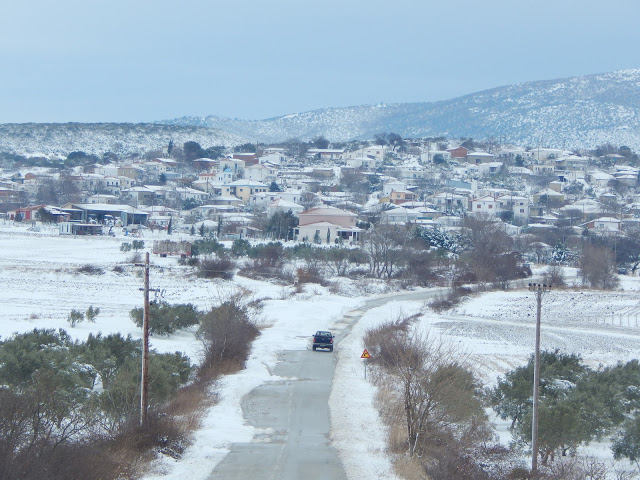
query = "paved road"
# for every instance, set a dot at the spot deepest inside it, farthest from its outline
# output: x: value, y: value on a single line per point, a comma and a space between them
x: 293, y: 415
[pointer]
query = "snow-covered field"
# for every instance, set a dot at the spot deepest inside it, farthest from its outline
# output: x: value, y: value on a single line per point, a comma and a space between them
x: 40, y: 285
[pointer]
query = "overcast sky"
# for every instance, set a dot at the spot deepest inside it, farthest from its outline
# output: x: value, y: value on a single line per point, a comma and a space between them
x: 146, y: 60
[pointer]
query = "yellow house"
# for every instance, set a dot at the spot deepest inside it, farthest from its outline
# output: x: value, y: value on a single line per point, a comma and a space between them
x: 244, y: 189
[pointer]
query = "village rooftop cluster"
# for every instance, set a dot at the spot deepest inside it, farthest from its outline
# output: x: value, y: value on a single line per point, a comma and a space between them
x: 335, y: 193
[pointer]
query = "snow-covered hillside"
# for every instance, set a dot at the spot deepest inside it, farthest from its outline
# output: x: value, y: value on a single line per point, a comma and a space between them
x: 574, y: 112
x: 46, y: 139
x: 578, y: 112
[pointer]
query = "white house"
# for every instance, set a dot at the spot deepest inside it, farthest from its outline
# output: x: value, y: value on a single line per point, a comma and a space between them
x: 281, y: 205
x: 399, y: 215
x: 261, y: 173
x: 485, y: 204
x: 604, y: 225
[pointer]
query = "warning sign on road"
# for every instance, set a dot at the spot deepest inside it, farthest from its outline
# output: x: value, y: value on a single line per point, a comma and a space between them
x: 365, y: 354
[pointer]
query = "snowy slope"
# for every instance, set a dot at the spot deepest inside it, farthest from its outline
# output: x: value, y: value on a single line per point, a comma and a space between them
x: 40, y: 285
x: 34, y: 139
x: 574, y: 112
x: 578, y: 112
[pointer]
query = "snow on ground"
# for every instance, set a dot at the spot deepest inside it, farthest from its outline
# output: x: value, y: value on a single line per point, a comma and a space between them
x: 40, y: 285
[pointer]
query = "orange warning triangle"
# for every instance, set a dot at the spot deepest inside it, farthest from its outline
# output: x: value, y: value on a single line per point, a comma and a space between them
x: 365, y: 354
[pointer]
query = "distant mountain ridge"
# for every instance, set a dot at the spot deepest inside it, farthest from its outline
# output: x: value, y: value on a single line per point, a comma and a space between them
x: 573, y: 112
x: 576, y: 112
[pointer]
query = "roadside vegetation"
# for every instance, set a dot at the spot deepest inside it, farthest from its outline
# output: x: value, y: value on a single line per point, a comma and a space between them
x: 436, y: 411
x: 64, y: 402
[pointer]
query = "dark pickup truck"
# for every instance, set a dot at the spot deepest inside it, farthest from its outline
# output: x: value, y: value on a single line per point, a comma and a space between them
x: 323, y: 339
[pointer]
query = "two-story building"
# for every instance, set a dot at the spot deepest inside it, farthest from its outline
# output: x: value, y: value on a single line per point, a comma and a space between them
x: 244, y: 189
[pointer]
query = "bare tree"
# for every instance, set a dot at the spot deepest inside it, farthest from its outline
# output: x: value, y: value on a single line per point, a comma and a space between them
x: 385, y: 245
x: 308, y: 200
x: 487, y: 245
x: 432, y: 390
x: 597, y: 267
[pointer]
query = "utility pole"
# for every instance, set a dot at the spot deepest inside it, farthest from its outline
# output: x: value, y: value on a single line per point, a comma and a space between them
x: 144, y: 383
x: 539, y: 290
x: 144, y: 378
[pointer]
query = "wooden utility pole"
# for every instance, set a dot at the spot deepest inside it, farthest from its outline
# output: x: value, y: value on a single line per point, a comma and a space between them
x: 144, y: 383
x: 539, y: 290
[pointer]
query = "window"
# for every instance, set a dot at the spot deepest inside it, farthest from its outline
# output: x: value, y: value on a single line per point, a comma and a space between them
x: 522, y: 210
x: 490, y: 206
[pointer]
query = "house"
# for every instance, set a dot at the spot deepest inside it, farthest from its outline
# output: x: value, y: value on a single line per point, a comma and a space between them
x: 278, y: 159
x: 450, y: 202
x: 141, y: 195
x: 130, y: 171
x: 100, y: 198
x: 75, y: 228
x: 399, y: 215
x: 205, y: 164
x: 459, y: 153
x: 281, y: 205
x: 392, y: 185
x: 368, y: 157
x: 599, y: 179
x: 429, y: 155
x: 247, y: 158
x: 571, y: 162
x: 548, y: 194
x: 262, y: 173
x: 604, y: 225
x: 113, y: 185
x: 486, y: 204
x: 237, y: 163
x: 328, y: 214
x: 401, y: 196
x: 326, y: 153
x: 543, y: 169
x: 489, y: 168
x: 516, y: 204
x: 186, y: 193
x: 83, y: 212
x: 479, y: 157
x: 244, y: 189
x: 327, y: 223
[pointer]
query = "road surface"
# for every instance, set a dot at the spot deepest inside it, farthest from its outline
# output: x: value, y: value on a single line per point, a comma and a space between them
x: 291, y: 414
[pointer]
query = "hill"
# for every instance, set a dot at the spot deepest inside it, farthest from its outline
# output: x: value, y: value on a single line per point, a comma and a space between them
x: 577, y: 112
x: 573, y: 112
x: 33, y: 139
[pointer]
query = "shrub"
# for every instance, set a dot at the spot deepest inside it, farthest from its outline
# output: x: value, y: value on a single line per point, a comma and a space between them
x: 554, y: 276
x: 453, y: 297
x: 188, y: 261
x: 167, y: 372
x: 75, y: 317
x: 310, y: 274
x: 165, y: 319
x: 89, y: 269
x: 240, y: 248
x: 226, y: 332
x: 137, y: 245
x: 91, y: 313
x: 206, y: 246
x: 125, y: 247
x: 216, y: 267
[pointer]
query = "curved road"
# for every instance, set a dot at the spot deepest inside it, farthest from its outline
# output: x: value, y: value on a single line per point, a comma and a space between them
x: 292, y: 415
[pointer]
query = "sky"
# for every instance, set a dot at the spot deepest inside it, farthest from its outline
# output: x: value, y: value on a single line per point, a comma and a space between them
x: 148, y: 60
